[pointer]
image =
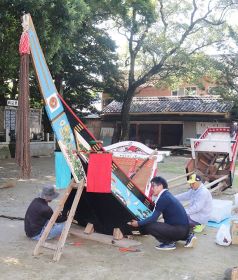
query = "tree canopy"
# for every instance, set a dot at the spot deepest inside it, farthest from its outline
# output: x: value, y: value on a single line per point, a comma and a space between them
x: 164, y: 37
x: 79, y: 53
x: 226, y: 70
x: 165, y: 40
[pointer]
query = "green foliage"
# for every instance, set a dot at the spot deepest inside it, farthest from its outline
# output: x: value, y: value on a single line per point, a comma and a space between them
x: 165, y: 42
x: 80, y: 55
x: 226, y: 70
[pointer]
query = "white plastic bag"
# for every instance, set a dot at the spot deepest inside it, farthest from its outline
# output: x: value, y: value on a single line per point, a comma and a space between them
x: 223, y: 236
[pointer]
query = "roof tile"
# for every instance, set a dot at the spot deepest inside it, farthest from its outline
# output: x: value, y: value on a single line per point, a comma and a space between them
x: 172, y: 104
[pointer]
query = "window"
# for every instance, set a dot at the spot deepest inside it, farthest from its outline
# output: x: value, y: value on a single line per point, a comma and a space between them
x: 190, y: 91
x: 213, y: 90
x: 174, y: 92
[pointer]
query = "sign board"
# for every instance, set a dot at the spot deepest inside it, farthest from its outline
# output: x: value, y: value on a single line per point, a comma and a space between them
x: 12, y: 102
x: 10, y: 119
x: 35, y: 120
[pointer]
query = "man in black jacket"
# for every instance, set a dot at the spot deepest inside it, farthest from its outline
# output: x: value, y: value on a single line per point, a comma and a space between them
x: 176, y: 224
x: 39, y: 213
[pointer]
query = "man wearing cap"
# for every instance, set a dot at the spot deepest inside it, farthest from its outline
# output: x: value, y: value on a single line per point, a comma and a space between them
x: 175, y: 226
x: 200, y: 203
x: 39, y: 213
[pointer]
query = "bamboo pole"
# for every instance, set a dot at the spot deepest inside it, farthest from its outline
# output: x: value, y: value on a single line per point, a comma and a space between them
x: 177, y: 185
x: 179, y: 177
x: 216, y: 181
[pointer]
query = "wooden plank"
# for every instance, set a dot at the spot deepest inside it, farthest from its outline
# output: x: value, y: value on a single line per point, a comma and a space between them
x: 49, y: 246
x: 103, y: 238
x: 234, y: 273
x: 89, y: 229
x: 8, y: 184
x: 68, y: 223
x: 117, y: 234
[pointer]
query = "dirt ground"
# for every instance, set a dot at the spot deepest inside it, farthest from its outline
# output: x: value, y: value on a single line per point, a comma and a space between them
x: 92, y: 260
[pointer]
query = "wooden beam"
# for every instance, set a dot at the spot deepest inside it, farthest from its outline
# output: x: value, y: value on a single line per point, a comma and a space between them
x: 68, y: 223
x: 177, y: 185
x: 49, y: 246
x: 89, y: 229
x: 8, y: 184
x: 117, y: 234
x: 53, y: 219
x: 103, y: 238
x: 179, y: 177
x: 216, y: 181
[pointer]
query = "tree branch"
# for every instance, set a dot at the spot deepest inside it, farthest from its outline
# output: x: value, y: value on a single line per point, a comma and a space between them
x: 156, y: 68
x: 163, y: 16
x: 204, y: 45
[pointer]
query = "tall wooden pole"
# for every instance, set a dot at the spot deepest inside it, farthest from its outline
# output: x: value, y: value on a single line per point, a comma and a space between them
x: 23, y: 128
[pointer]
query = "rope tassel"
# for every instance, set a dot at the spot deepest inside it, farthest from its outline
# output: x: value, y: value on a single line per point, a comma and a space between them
x: 22, y: 128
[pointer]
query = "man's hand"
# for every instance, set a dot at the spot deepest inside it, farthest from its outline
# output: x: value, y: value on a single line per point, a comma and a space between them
x: 133, y: 223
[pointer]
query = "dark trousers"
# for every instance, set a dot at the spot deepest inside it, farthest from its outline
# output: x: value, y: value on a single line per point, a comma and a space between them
x: 192, y: 223
x: 165, y: 233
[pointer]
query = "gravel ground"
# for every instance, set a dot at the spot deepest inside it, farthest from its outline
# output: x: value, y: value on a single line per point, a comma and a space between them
x: 92, y: 260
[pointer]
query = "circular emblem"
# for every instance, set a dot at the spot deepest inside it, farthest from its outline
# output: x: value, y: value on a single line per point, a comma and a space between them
x: 53, y: 102
x: 62, y: 123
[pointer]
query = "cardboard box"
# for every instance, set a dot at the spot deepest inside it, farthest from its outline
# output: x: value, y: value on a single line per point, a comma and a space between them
x: 234, y: 232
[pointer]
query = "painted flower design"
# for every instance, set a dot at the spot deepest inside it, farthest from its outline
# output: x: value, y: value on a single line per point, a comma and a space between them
x: 53, y: 102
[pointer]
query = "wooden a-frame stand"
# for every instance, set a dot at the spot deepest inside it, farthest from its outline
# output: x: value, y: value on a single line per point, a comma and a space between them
x: 58, y: 248
x: 88, y: 233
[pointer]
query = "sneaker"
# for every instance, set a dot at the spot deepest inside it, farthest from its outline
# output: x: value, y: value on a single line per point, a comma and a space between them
x: 166, y: 246
x: 191, y: 241
x: 198, y: 228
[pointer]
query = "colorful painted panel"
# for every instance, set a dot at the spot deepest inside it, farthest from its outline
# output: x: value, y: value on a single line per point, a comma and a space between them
x: 128, y: 199
x: 54, y: 108
x: 138, y: 204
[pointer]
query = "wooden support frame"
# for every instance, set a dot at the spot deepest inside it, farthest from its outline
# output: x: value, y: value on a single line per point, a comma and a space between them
x: 117, y: 234
x: 89, y: 228
x: 58, y: 248
x: 103, y: 238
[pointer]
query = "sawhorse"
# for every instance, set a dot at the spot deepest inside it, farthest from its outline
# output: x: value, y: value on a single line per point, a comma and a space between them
x: 58, y: 248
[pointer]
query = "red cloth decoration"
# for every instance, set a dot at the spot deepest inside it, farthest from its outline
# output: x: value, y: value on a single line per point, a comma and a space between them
x: 99, y: 173
x: 24, y: 46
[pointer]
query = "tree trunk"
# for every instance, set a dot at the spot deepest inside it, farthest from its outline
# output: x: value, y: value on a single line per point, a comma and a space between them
x: 14, y: 89
x: 125, y: 116
x: 59, y: 83
x: 23, y: 156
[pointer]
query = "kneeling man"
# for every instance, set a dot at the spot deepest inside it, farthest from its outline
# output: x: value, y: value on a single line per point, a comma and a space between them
x: 39, y: 213
x: 175, y: 226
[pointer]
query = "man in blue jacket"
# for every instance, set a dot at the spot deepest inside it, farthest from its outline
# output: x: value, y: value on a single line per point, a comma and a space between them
x: 175, y: 226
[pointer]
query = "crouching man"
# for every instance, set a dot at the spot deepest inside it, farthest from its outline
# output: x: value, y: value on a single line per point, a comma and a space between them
x: 39, y: 213
x: 175, y: 226
x: 200, y: 203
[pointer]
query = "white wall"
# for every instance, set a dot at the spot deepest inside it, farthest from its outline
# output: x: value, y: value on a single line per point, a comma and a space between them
x: 195, y: 129
x: 202, y: 126
x: 189, y: 131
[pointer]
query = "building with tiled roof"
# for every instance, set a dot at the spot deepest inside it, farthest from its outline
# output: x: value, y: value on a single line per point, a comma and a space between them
x: 172, y: 104
x: 168, y: 120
